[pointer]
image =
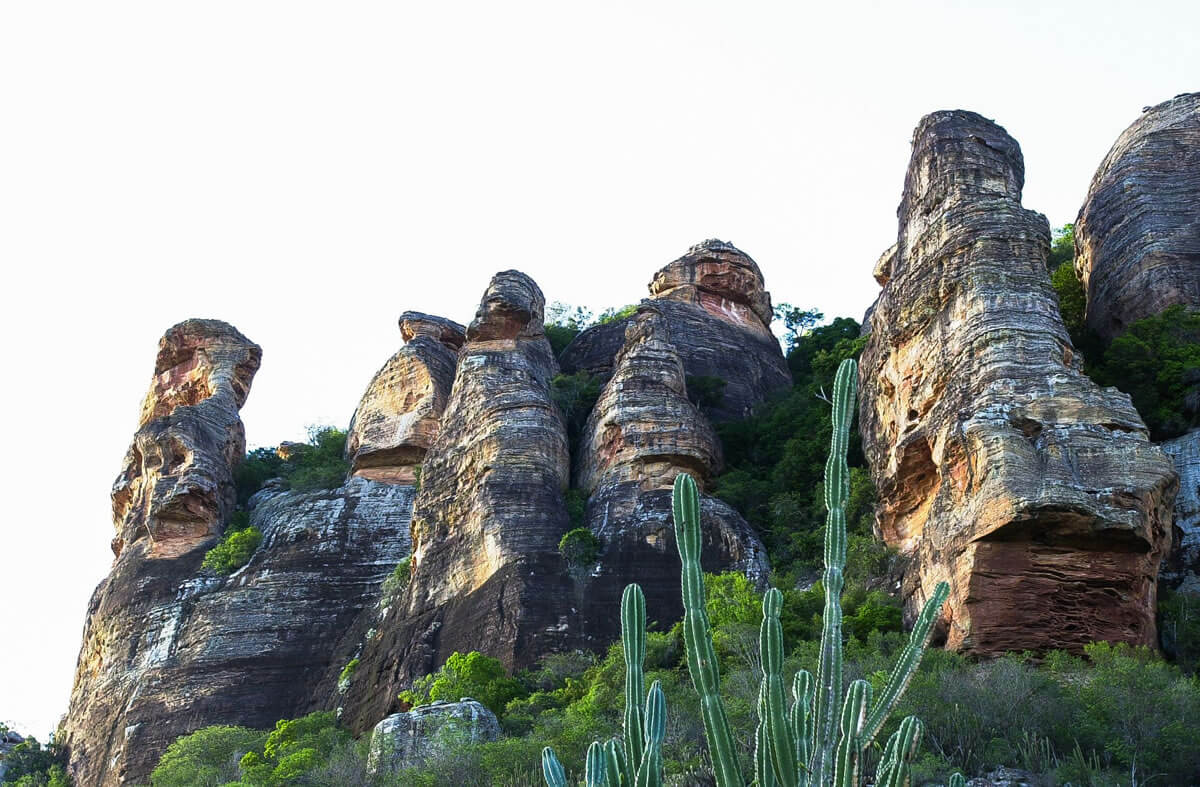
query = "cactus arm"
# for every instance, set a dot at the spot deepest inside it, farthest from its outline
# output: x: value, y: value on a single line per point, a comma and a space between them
x: 895, y: 769
x: 957, y: 780
x: 906, y: 665
x: 854, y: 715
x: 837, y: 489
x: 596, y: 770
x: 633, y: 646
x: 619, y: 774
x: 764, y: 776
x: 650, y: 771
x: 552, y: 769
x: 801, y: 720
x: 702, y: 661
x: 780, y: 745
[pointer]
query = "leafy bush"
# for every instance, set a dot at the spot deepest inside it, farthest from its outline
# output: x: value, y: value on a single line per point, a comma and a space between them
x: 1179, y: 628
x: 1157, y: 362
x: 575, y: 395
x: 319, y: 464
x: 1062, y: 247
x: 612, y: 314
x: 396, y: 581
x: 705, y: 391
x: 347, y: 675
x: 473, y: 675
x: 579, y: 547
x: 206, y: 758
x: 293, y: 748
x: 1072, y: 303
x: 236, y: 547
x: 29, y: 764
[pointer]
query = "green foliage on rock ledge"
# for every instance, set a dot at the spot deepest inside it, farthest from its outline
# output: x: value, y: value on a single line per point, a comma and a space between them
x: 473, y: 675
x: 579, y: 547
x: 319, y: 464
x: 236, y: 547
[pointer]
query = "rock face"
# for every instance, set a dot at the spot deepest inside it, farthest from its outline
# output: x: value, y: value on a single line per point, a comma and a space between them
x: 406, y: 740
x: 486, y: 573
x: 175, y: 488
x: 400, y: 413
x: 168, y: 648
x: 718, y: 314
x: 643, y: 432
x: 1137, y: 237
x: 1001, y: 467
x: 1183, y: 563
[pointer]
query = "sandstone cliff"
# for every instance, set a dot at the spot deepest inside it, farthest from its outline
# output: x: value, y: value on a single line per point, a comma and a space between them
x: 169, y: 648
x: 719, y: 313
x: 401, y: 411
x: 1137, y: 237
x: 486, y: 573
x: 1182, y: 567
x: 1000, y: 466
x: 643, y: 432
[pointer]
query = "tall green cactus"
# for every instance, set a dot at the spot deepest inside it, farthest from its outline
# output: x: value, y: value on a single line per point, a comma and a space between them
x: 637, y: 761
x: 805, y: 746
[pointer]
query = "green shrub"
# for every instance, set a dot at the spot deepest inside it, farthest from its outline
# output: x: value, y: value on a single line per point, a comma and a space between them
x: 1062, y: 247
x: 1157, y: 362
x: 347, y: 675
x: 473, y: 675
x: 206, y: 758
x: 292, y: 748
x: 579, y: 547
x: 29, y: 764
x: 396, y: 581
x: 319, y: 464
x: 575, y: 395
x: 612, y: 314
x: 704, y: 391
x: 236, y: 547
x: 1072, y: 302
x: 1179, y: 628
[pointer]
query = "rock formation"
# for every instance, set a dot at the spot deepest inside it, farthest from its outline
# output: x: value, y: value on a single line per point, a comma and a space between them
x: 406, y: 740
x: 1000, y: 467
x: 643, y: 432
x: 719, y: 315
x: 169, y: 648
x: 1137, y: 237
x: 1183, y: 563
x: 486, y: 573
x: 400, y: 413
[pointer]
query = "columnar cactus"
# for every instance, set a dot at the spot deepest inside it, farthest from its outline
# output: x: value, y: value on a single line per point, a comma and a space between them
x: 805, y: 746
x: 637, y: 761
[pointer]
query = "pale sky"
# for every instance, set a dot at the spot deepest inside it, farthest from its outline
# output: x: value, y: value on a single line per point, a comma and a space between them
x: 308, y: 171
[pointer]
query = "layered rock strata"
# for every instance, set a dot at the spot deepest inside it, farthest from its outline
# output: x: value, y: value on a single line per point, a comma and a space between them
x: 399, y: 415
x: 169, y: 648
x: 643, y: 432
x: 1001, y: 467
x: 486, y: 573
x: 1182, y: 566
x: 1137, y: 236
x: 719, y: 316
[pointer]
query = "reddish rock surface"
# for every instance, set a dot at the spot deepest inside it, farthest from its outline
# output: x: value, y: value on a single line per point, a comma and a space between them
x: 1000, y: 466
x: 1137, y: 237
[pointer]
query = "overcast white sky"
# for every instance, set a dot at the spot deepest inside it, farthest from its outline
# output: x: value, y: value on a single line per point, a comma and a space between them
x: 307, y: 171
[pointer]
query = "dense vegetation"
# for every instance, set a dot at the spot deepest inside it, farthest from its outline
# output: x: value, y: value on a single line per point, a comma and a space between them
x: 236, y: 546
x: 30, y: 764
x: 1088, y: 722
x: 318, y: 464
x: 1156, y: 360
x: 1118, y: 713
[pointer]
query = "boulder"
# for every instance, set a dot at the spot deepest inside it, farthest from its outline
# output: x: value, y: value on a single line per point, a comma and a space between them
x: 1137, y: 236
x: 408, y: 740
x: 1000, y: 466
